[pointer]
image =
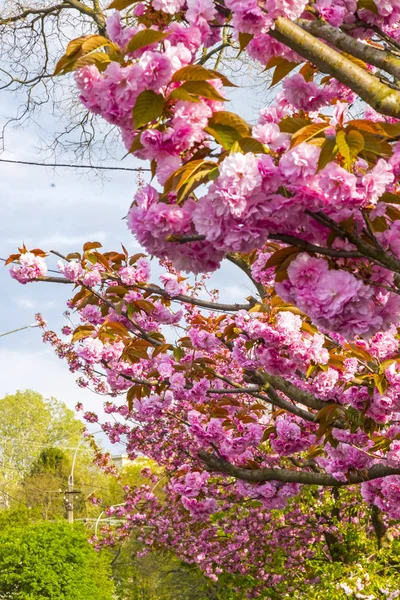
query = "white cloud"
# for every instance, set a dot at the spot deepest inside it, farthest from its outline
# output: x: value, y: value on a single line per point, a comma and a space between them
x: 25, y: 303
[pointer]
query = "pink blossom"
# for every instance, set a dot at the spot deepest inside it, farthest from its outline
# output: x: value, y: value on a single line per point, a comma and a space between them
x: 30, y: 268
x: 71, y: 270
x: 172, y: 285
x: 91, y: 350
x: 376, y: 181
x: 338, y: 186
x: 92, y: 278
x: 299, y: 163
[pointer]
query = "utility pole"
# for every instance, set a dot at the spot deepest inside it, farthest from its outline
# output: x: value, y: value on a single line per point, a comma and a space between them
x: 69, y: 499
x: 70, y: 493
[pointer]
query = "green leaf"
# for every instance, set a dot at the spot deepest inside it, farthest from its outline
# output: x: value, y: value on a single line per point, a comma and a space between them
x: 293, y: 124
x: 307, y: 133
x: 121, y: 4
x: 390, y: 198
x: 181, y: 94
x: 232, y: 120
x: 145, y: 38
x: 94, y: 42
x: 199, y: 73
x: 225, y: 80
x: 99, y: 59
x: 148, y: 107
x: 343, y: 146
x: 136, y: 144
x: 328, y: 152
x: 368, y: 5
x: 203, y: 89
x: 225, y: 135
x: 355, y: 141
x: 248, y: 144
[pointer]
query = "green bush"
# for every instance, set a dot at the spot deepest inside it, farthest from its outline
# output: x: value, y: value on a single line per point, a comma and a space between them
x: 50, y: 561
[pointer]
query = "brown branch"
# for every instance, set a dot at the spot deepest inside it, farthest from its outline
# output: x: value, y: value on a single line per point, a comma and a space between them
x: 287, y: 476
x: 376, y: 255
x: 33, y: 11
x: 97, y: 16
x: 378, y: 95
x: 157, y: 290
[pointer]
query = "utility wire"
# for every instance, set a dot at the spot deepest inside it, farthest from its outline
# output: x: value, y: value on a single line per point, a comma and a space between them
x: 19, y: 329
x: 99, y: 167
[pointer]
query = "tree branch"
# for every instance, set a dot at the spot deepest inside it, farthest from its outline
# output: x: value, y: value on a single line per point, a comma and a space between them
x: 378, y: 95
x: 294, y: 241
x: 378, y: 58
x: 287, y: 476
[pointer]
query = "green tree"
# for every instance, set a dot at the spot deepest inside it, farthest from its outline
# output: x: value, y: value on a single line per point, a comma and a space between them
x: 50, y: 561
x: 28, y: 424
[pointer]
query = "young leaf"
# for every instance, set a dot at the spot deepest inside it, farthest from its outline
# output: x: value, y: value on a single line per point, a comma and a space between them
x: 95, y: 41
x: 244, y: 40
x: 181, y: 94
x: 199, y: 73
x: 249, y: 144
x: 368, y: 5
x: 281, y: 70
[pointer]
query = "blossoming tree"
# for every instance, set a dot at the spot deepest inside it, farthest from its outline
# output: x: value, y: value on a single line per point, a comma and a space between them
x: 298, y: 385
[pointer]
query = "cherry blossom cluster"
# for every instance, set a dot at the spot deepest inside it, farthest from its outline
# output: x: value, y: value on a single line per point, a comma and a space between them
x: 243, y: 406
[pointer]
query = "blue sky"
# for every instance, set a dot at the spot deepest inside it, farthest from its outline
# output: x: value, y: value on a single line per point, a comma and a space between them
x: 61, y: 209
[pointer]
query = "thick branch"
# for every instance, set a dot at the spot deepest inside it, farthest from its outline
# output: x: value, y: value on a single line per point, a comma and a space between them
x: 287, y: 476
x: 284, y: 386
x: 97, y: 16
x: 373, y: 56
x: 378, y: 95
x: 270, y: 397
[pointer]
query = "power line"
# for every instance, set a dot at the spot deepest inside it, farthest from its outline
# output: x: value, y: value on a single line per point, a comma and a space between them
x: 99, y: 167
